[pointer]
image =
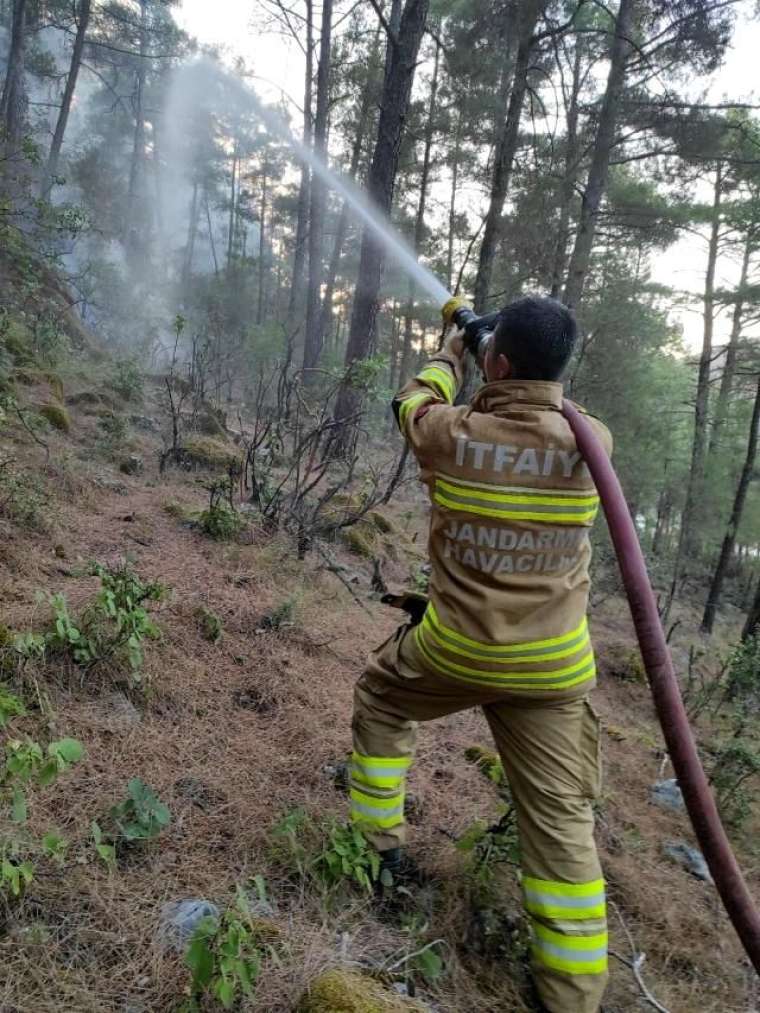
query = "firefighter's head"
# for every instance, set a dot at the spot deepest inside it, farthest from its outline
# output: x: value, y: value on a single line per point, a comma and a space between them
x: 533, y: 340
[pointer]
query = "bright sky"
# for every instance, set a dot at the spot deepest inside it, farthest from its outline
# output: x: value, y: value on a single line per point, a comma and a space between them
x: 278, y: 65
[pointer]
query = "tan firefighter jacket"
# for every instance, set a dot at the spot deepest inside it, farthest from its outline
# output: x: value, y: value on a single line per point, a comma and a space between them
x: 512, y: 506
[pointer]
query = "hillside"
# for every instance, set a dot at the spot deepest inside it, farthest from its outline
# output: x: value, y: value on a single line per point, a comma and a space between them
x: 238, y: 723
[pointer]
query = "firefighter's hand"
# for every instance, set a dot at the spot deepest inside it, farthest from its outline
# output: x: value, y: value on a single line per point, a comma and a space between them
x: 453, y: 343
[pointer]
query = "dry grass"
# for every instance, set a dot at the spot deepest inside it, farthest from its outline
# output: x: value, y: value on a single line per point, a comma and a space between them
x: 235, y: 734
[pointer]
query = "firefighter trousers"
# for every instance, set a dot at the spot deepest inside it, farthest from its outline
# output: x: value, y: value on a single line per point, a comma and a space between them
x: 550, y: 750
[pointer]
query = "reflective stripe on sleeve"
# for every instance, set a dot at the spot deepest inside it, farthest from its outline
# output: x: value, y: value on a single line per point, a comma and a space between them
x: 410, y: 405
x: 440, y: 379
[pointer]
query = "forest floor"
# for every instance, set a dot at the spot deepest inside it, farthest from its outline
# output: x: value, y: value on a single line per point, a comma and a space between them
x: 237, y: 734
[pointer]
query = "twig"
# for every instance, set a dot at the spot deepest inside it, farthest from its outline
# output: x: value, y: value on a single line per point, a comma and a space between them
x: 333, y: 568
x: 417, y: 953
x: 32, y: 433
x: 635, y: 963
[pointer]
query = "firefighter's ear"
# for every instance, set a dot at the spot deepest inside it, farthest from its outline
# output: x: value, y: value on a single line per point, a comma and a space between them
x: 497, y: 366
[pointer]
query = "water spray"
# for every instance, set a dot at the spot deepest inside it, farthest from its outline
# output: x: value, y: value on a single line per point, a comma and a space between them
x: 682, y: 749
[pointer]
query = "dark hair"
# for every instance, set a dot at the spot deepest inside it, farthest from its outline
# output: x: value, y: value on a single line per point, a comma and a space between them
x: 537, y: 334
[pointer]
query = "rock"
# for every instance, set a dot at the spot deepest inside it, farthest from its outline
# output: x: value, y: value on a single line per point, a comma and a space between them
x: 180, y: 919
x: 56, y: 415
x: 667, y: 795
x: 205, y: 452
x: 145, y: 423
x: 493, y: 934
x: 119, y: 707
x: 414, y: 809
x: 340, y: 991
x: 689, y: 858
x: 339, y: 773
x: 132, y: 465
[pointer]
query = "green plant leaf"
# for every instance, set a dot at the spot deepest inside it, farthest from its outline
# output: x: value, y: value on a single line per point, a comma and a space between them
x: 19, y: 810
x: 200, y: 960
x: 69, y: 750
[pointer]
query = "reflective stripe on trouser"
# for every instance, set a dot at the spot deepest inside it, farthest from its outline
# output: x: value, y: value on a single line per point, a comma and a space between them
x: 549, y: 749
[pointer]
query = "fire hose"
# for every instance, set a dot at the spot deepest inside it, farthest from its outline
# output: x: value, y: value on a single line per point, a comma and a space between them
x: 679, y: 739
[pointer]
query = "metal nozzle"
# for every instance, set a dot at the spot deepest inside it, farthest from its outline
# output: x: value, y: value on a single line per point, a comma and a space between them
x: 475, y: 328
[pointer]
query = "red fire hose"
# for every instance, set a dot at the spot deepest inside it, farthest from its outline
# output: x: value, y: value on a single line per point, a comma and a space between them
x: 698, y: 797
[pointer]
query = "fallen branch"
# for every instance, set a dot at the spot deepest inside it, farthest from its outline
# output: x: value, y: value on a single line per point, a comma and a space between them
x: 417, y: 953
x: 635, y: 963
x: 333, y: 567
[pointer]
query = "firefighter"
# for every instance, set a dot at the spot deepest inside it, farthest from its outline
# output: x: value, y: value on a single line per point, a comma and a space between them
x: 505, y: 629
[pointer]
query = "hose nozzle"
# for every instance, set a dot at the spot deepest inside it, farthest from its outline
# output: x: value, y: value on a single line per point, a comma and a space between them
x: 457, y: 312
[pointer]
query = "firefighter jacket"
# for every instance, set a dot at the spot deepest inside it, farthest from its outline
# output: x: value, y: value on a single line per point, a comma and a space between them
x: 512, y: 507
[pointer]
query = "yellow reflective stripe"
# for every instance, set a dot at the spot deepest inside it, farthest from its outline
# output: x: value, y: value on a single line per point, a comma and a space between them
x: 411, y: 404
x: 439, y: 378
x: 570, y: 954
x: 517, y: 515
x: 567, y: 901
x: 589, y: 889
x: 508, y: 494
x: 532, y: 680
x: 496, y: 654
x: 528, y: 645
x: 379, y: 771
x: 379, y: 812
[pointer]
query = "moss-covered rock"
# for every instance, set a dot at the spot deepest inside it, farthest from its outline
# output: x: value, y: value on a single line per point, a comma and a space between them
x: 18, y: 342
x: 210, y: 422
x: 487, y: 761
x: 91, y: 402
x: 56, y: 415
x: 205, y: 452
x: 340, y: 991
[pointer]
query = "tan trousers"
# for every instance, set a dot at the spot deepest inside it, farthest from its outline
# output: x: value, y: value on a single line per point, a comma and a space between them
x: 550, y: 752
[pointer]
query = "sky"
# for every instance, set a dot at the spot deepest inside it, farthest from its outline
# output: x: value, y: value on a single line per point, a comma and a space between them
x: 277, y: 64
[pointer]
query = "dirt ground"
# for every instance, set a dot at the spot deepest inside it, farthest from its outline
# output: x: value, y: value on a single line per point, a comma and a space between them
x: 234, y: 735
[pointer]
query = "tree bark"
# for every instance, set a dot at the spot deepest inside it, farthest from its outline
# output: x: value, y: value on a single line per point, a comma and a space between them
x: 569, y: 175
x: 83, y: 21
x: 343, y: 220
x: 262, y: 247
x: 210, y: 227
x: 314, y: 318
x: 419, y: 223
x: 729, y: 367
x: 401, y: 61
x: 600, y: 162
x: 134, y: 221
x: 453, y: 200
x: 729, y: 539
x: 302, y: 219
x: 192, y: 230
x: 14, y: 101
x: 233, y: 203
x: 752, y: 625
x: 506, y: 148
x: 692, y: 503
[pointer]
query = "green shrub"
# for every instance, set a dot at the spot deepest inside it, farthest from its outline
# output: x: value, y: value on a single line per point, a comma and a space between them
x: 113, y: 627
x: 141, y: 816
x: 347, y: 855
x: 488, y: 762
x: 114, y: 432
x: 22, y: 499
x: 210, y: 624
x: 488, y: 847
x: 220, y: 522
x: 225, y: 956
x: 127, y: 380
x: 733, y: 777
x: 282, y: 616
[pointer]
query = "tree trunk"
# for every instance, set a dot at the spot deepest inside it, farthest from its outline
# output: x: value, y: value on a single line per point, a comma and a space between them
x: 752, y: 625
x: 314, y: 318
x: 419, y: 224
x: 262, y: 248
x: 568, y: 177
x: 83, y: 21
x: 343, y: 220
x: 302, y: 220
x: 453, y: 200
x: 401, y: 61
x: 233, y: 203
x: 210, y: 227
x: 729, y: 539
x: 192, y: 231
x: 729, y: 367
x: 600, y: 162
x: 506, y: 148
x: 14, y: 101
x: 686, y: 548
x: 134, y: 225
